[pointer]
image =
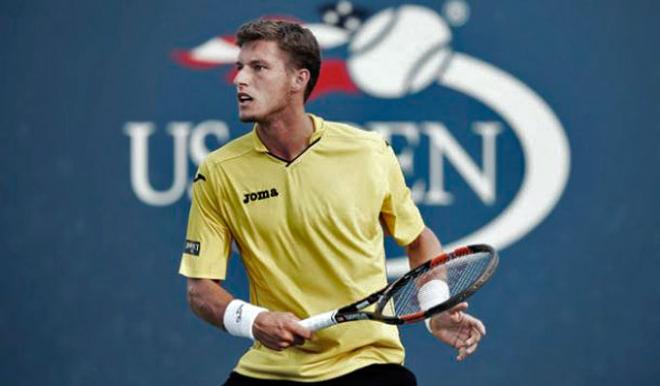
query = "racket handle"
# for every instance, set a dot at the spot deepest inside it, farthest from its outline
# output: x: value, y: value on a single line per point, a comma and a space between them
x: 320, y: 321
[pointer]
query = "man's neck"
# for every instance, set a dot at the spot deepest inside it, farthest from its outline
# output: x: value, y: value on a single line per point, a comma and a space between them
x: 287, y: 135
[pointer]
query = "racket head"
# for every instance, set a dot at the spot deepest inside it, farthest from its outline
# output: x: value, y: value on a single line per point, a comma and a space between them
x: 465, y: 270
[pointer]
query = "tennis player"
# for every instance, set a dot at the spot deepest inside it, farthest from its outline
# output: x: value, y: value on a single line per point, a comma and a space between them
x: 308, y: 203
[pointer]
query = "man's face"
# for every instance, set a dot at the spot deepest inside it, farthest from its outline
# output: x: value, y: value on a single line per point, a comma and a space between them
x: 263, y: 81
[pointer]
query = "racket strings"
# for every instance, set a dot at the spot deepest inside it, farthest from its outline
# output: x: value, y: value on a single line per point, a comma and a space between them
x: 405, y: 300
x: 459, y: 274
x: 462, y: 273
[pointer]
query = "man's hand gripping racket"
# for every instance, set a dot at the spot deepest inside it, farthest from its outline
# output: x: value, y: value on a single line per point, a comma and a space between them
x: 437, y: 285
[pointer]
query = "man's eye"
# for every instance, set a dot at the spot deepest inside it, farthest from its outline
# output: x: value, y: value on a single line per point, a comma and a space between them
x: 258, y: 67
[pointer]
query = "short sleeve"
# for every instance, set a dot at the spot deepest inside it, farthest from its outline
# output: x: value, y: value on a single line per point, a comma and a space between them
x: 208, y: 239
x: 398, y: 211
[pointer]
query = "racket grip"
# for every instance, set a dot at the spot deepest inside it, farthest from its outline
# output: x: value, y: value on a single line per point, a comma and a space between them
x: 320, y: 321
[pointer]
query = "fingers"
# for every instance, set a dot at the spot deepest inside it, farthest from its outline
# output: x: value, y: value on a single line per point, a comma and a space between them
x: 281, y: 341
x: 474, y: 323
x: 463, y: 338
x: 456, y: 312
x: 293, y: 334
x: 473, y: 338
x: 471, y: 349
x: 278, y: 330
x: 456, y: 317
x: 470, y: 345
x: 298, y: 330
x: 464, y: 351
x: 468, y: 335
x: 461, y: 354
x: 480, y: 326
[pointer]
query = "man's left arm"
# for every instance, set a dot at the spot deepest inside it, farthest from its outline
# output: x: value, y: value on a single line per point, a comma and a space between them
x: 426, y: 246
x: 454, y: 327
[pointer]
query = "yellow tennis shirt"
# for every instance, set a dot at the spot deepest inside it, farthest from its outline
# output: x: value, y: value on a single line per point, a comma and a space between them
x: 310, y: 236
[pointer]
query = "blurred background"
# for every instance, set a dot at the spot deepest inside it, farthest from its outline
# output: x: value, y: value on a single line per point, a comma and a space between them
x: 529, y: 125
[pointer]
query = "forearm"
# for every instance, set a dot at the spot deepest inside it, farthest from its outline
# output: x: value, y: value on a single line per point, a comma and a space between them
x: 425, y: 247
x: 208, y: 300
x: 276, y: 330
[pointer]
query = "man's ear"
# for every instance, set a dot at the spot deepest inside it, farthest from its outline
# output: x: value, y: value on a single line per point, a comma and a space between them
x: 300, y: 80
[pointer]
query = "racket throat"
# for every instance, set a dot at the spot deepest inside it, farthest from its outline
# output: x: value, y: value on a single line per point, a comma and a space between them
x: 341, y: 318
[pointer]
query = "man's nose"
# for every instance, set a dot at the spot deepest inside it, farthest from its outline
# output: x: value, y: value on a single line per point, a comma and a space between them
x: 240, y: 78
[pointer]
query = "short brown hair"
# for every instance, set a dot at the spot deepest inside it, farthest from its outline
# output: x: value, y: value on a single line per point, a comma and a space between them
x: 298, y: 42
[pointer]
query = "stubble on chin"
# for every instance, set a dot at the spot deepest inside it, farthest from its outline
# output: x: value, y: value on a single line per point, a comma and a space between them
x: 247, y: 118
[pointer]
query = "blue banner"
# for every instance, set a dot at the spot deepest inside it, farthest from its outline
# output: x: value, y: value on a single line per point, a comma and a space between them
x: 526, y: 125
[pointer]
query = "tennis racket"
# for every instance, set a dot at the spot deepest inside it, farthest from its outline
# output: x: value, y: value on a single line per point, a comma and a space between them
x: 439, y: 284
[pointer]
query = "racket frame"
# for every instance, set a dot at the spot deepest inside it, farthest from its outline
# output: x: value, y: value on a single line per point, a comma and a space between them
x: 381, y: 298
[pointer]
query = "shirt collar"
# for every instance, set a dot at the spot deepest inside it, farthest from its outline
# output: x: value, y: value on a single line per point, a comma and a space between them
x: 319, y: 128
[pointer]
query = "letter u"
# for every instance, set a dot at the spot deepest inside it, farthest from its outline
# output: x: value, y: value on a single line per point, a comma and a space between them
x: 139, y: 132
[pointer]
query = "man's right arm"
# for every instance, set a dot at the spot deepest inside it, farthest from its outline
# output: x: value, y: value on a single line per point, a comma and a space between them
x: 276, y: 330
x: 208, y: 300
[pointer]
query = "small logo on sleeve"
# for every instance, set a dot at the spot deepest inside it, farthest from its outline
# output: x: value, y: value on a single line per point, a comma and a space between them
x: 192, y: 247
x: 260, y: 195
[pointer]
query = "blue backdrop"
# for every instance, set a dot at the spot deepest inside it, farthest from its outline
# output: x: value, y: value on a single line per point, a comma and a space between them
x: 91, y: 294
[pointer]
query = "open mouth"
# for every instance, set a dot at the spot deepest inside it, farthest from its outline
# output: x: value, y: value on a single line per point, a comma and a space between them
x: 243, y: 98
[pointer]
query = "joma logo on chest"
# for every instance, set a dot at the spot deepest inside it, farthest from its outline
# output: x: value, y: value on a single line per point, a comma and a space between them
x: 260, y: 195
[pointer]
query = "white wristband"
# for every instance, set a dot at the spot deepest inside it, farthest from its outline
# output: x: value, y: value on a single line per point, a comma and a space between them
x: 431, y: 294
x: 239, y: 317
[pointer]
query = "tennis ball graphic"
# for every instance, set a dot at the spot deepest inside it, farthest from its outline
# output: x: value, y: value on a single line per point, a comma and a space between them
x: 399, y: 51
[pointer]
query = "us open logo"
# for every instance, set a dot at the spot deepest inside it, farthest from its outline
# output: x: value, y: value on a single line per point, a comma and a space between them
x: 403, y: 55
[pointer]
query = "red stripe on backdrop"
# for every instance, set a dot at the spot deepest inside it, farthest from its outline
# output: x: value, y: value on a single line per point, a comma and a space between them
x: 231, y: 39
x: 185, y: 59
x: 334, y: 77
